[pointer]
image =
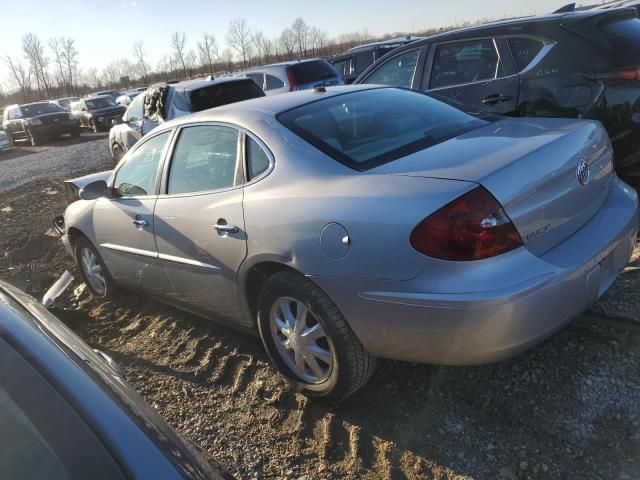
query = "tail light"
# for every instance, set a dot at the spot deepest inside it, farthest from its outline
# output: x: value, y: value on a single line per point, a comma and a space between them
x: 628, y: 74
x: 293, y: 85
x: 472, y: 227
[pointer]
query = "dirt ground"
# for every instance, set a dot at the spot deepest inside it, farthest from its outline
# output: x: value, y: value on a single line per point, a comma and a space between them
x: 568, y: 408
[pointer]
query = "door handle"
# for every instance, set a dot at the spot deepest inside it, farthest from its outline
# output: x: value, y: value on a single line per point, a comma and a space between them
x: 139, y: 223
x: 226, y: 228
x: 495, y: 98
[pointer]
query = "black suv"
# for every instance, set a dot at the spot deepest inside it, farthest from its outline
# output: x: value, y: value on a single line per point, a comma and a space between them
x: 357, y: 59
x: 580, y: 65
x: 37, y: 122
x: 98, y: 113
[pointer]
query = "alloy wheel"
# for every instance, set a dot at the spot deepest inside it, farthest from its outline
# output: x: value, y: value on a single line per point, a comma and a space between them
x: 93, y: 270
x: 301, y: 340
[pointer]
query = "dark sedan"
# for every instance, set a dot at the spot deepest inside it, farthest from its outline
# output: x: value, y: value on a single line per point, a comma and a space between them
x: 98, y: 113
x: 582, y: 64
x: 66, y: 411
x: 38, y: 122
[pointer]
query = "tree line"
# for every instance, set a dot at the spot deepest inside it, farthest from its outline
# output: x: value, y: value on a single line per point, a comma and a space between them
x: 52, y: 70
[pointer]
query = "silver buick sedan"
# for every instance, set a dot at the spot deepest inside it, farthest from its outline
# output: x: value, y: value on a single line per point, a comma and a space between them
x: 350, y: 223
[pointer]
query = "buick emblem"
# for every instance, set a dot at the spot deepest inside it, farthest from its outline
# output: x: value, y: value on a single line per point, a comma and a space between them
x: 582, y: 172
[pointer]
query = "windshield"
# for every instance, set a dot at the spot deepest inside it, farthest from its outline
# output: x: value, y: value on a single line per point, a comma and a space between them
x: 368, y: 128
x: 97, y: 103
x: 39, y: 109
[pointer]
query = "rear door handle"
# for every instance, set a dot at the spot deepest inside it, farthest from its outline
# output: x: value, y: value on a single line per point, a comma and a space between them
x: 495, y: 98
x: 226, y: 228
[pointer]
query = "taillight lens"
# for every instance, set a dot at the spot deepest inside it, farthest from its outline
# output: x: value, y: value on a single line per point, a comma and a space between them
x: 628, y: 74
x: 293, y: 85
x: 471, y: 227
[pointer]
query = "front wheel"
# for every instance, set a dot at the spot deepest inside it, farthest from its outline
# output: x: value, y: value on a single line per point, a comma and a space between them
x: 33, y: 140
x: 93, y: 270
x: 75, y: 133
x: 94, y: 127
x: 309, y: 340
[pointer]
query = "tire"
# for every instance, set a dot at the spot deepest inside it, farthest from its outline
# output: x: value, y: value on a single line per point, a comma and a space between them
x: 75, y: 133
x: 81, y: 246
x: 350, y: 365
x: 33, y: 140
x: 116, y: 153
x: 94, y: 127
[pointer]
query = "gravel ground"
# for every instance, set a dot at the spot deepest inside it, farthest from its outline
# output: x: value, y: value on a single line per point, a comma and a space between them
x: 568, y: 408
x: 63, y: 158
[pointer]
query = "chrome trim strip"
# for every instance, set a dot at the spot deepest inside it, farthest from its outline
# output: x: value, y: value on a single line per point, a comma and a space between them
x: 186, y: 261
x: 134, y: 251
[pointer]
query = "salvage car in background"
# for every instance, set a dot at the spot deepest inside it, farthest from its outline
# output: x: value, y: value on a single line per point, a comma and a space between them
x: 166, y: 101
x: 5, y: 141
x: 354, y: 222
x: 38, y: 122
x: 580, y: 65
x: 356, y: 60
x: 65, y: 102
x: 67, y: 412
x: 97, y: 113
x: 295, y: 75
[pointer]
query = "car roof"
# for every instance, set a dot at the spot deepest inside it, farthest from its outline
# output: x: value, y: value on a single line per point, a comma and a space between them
x: 283, y: 64
x: 271, y: 105
x: 191, y: 85
x: 386, y: 43
x: 94, y: 97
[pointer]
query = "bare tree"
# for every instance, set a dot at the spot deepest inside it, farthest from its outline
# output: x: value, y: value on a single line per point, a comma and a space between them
x: 239, y: 38
x: 178, y: 43
x: 258, y: 39
x: 93, y: 78
x: 70, y: 56
x: 117, y: 71
x: 191, y: 61
x: 141, y: 63
x: 288, y: 42
x: 21, y: 75
x: 301, y: 33
x: 208, y: 49
x: 34, y: 52
x: 227, y: 59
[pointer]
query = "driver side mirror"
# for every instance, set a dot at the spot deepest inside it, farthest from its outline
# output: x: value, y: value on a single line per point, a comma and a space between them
x: 94, y: 190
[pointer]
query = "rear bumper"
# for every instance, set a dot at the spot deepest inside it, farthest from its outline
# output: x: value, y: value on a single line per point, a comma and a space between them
x: 499, y: 307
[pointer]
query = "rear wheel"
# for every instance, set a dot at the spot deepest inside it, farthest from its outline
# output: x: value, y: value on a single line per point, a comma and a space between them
x: 93, y: 270
x: 75, y: 133
x: 309, y: 340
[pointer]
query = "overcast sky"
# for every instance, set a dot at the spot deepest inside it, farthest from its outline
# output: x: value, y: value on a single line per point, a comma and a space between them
x: 106, y: 30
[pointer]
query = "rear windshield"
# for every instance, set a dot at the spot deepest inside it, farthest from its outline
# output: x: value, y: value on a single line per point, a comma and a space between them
x: 312, y: 72
x: 368, y: 128
x: 223, y: 94
x: 97, y: 103
x: 624, y: 38
x: 39, y: 109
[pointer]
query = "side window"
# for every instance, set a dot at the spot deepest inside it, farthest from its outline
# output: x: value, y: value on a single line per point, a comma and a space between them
x: 135, y: 112
x: 258, y: 78
x: 363, y: 60
x: 524, y: 50
x: 398, y: 71
x: 257, y: 159
x: 273, y: 82
x: 465, y: 62
x: 138, y: 174
x: 204, y: 158
x: 343, y: 66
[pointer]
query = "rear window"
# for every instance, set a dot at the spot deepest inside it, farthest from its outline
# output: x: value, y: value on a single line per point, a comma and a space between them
x: 312, y: 72
x: 369, y: 128
x: 223, y: 94
x: 524, y: 50
x: 624, y: 38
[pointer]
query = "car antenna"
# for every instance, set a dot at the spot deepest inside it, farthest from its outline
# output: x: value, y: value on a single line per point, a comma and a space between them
x: 570, y: 7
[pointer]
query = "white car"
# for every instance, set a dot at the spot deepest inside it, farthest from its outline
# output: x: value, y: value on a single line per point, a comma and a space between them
x: 5, y: 142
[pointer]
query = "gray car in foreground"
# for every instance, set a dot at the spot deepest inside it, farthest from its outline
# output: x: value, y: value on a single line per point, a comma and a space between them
x: 67, y: 413
x: 359, y: 222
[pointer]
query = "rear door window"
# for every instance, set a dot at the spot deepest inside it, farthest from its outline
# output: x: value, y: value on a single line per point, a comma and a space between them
x: 398, y: 71
x: 524, y: 50
x: 273, y: 82
x: 624, y: 38
x: 363, y: 60
x: 312, y: 72
x: 257, y: 159
x: 224, y: 94
x: 258, y: 78
x: 469, y: 61
x: 204, y: 159
x: 367, y: 128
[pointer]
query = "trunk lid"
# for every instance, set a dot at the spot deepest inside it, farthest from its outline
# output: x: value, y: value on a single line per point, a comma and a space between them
x: 532, y: 168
